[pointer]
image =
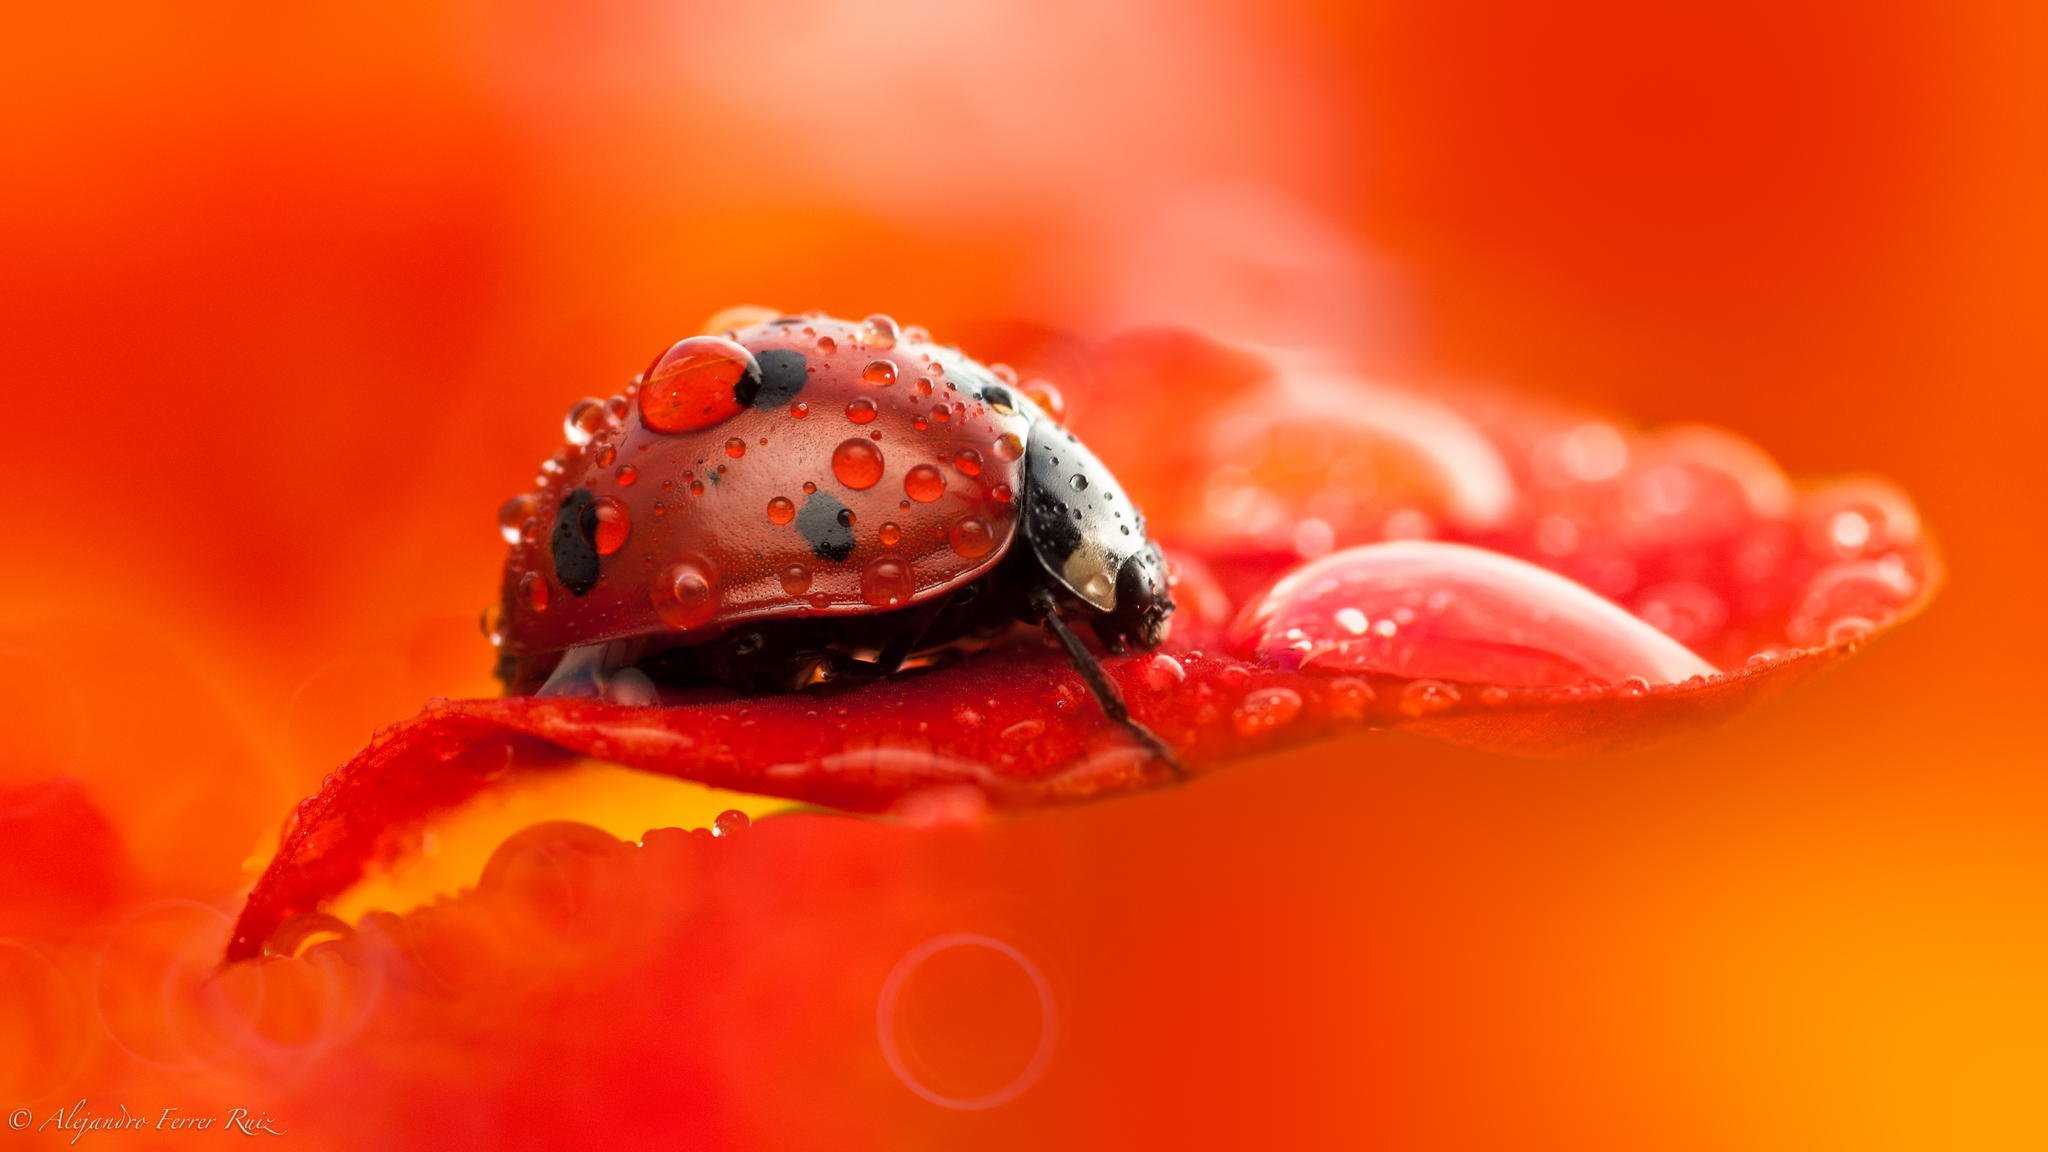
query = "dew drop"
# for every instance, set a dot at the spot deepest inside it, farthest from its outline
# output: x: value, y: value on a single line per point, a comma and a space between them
x: 857, y: 464
x: 1163, y: 672
x: 513, y: 515
x: 879, y: 331
x: 1078, y: 482
x: 606, y: 455
x: 798, y: 410
x: 613, y: 525
x: 1350, y: 697
x: 1427, y: 697
x: 861, y: 410
x: 796, y: 579
x: 971, y: 538
x: 627, y: 475
x: 586, y: 418
x: 1043, y: 394
x: 889, y: 534
x: 735, y: 447
x: 730, y: 822
x: 781, y: 510
x: 809, y: 487
x: 923, y: 387
x: 886, y: 582
x: 1266, y: 709
x: 968, y: 461
x: 534, y: 590
x: 1009, y: 446
x: 827, y: 345
x: 1001, y: 494
x: 880, y: 373
x: 924, y: 484
x: 687, y: 595
x: 691, y: 386
x: 1635, y: 687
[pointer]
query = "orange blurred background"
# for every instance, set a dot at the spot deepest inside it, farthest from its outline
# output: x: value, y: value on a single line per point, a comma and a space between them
x: 294, y: 301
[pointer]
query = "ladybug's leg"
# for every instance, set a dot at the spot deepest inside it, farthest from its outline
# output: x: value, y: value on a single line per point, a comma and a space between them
x: 1100, y: 684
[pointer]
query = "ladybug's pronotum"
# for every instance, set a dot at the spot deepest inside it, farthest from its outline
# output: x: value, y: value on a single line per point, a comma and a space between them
x: 802, y: 500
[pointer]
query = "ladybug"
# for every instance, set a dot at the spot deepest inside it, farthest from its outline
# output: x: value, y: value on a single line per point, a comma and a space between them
x: 803, y: 500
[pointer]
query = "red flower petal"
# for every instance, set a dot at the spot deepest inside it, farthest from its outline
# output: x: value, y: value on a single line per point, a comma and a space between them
x: 1723, y: 563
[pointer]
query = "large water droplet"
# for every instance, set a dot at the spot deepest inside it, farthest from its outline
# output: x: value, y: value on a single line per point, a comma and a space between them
x: 1009, y: 446
x: 585, y: 420
x: 1453, y: 613
x: 1266, y: 709
x: 781, y: 510
x: 513, y: 515
x: 860, y: 410
x: 686, y: 595
x: 879, y: 331
x: 691, y: 386
x: 533, y: 589
x: 857, y: 464
x: 886, y: 582
x: 971, y: 538
x: 924, y: 484
x: 880, y: 373
x: 612, y: 525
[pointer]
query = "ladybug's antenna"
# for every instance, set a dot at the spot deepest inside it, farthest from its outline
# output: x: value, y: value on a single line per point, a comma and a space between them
x: 1101, y: 685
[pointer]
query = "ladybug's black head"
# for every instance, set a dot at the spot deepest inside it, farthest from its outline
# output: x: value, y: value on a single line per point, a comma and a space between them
x: 1089, y: 537
x: 1144, y: 603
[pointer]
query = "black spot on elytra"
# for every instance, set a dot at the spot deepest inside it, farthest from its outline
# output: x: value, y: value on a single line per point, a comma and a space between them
x: 999, y: 396
x: 574, y: 542
x: 780, y: 374
x: 826, y: 525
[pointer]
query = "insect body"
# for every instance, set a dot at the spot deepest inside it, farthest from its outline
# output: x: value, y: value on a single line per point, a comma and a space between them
x: 805, y: 500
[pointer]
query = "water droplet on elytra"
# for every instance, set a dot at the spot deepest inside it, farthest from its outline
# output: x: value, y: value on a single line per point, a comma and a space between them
x: 534, y: 590
x: 857, y: 464
x: 612, y: 525
x: 735, y: 447
x: 971, y: 538
x: 860, y: 410
x: 924, y: 484
x: 687, y: 595
x: 781, y: 510
x: 886, y: 582
x: 880, y: 373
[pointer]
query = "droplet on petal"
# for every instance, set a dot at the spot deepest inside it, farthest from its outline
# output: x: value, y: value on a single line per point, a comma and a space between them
x: 1452, y: 613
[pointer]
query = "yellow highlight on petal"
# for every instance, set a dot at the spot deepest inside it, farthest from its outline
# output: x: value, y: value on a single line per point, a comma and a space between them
x: 621, y: 801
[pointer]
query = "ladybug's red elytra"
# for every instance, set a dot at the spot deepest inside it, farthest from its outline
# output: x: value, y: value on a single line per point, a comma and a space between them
x: 803, y: 499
